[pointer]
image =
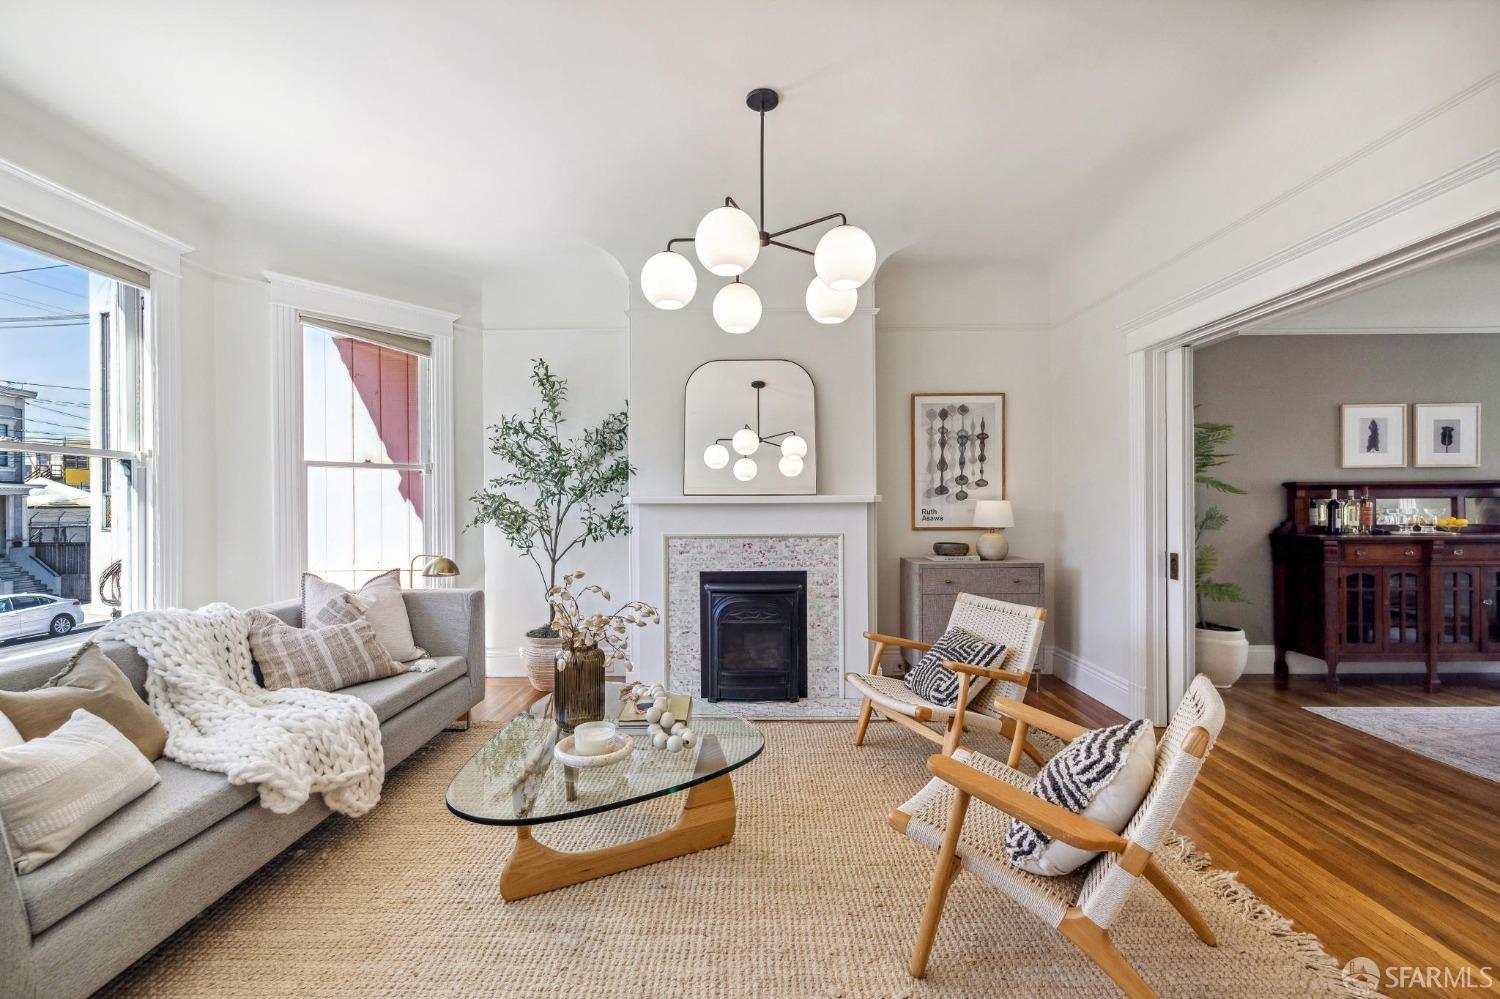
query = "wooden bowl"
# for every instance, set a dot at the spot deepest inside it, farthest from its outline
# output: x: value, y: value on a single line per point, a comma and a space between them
x: 949, y: 548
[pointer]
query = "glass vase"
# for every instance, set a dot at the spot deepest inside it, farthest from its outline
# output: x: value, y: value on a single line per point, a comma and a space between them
x: 578, y: 687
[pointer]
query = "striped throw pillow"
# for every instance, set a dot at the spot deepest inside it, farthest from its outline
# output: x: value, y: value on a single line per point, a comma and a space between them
x: 321, y: 658
x: 932, y: 681
x: 1103, y: 775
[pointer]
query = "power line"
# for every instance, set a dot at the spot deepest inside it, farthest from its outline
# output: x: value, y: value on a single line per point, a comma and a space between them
x: 32, y: 404
x: 28, y: 270
x: 70, y: 388
x: 43, y: 326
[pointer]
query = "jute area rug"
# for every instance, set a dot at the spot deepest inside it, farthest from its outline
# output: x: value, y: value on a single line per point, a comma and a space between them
x: 815, y: 896
x: 1464, y: 737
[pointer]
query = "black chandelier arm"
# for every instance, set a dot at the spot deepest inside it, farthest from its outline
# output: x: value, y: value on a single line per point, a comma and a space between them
x: 788, y: 246
x: 843, y: 220
x: 771, y: 440
x: 678, y: 239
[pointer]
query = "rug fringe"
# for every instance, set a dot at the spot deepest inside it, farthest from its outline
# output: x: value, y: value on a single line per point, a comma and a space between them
x: 1226, y: 885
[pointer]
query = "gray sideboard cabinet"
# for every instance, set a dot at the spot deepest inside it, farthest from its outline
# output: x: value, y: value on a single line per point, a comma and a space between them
x: 929, y: 589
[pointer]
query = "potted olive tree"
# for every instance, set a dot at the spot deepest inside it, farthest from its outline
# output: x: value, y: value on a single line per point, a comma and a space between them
x: 558, y: 494
x: 1221, y: 650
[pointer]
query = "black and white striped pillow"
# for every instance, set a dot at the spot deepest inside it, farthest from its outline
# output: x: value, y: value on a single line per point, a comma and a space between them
x: 1103, y: 774
x: 932, y: 681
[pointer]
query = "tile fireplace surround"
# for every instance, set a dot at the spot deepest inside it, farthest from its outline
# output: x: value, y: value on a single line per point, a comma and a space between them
x: 673, y: 539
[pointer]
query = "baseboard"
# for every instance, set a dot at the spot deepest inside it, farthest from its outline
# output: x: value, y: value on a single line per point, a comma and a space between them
x: 503, y: 662
x: 1263, y: 658
x: 1100, y: 684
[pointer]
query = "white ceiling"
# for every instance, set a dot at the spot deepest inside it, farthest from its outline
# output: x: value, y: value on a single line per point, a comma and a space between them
x: 467, y: 130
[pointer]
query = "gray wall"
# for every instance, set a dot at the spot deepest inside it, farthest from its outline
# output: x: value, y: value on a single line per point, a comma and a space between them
x: 1282, y: 393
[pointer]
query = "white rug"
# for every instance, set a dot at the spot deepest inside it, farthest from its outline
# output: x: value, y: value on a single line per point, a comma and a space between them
x: 1467, y: 738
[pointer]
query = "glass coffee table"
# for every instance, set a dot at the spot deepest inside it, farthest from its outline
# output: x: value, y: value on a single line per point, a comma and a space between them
x: 514, y: 780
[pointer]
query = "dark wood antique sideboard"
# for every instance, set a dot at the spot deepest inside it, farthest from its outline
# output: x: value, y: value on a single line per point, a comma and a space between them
x: 1431, y: 597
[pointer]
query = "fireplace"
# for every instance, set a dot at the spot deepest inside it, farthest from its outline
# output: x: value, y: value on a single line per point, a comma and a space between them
x: 754, y: 635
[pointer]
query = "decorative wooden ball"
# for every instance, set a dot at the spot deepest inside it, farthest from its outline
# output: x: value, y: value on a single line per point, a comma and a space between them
x: 667, y: 719
x: 674, y: 743
x: 654, y: 713
x: 659, y: 739
x: 678, y: 727
x: 688, y: 737
x: 654, y: 729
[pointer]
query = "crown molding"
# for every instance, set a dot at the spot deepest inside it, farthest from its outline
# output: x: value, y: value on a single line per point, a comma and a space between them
x: 63, y: 212
x: 1447, y: 181
x: 513, y: 330
x: 360, y: 306
x: 1368, y: 330
x: 1031, y: 327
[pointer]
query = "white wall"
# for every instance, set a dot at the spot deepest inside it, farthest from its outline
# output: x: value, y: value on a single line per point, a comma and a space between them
x: 1338, y: 167
x: 947, y: 326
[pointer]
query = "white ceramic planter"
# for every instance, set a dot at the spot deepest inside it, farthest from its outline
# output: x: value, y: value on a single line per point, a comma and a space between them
x: 1221, y: 655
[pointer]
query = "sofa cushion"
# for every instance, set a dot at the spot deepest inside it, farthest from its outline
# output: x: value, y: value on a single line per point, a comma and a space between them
x: 394, y: 694
x: 184, y: 804
x: 93, y: 682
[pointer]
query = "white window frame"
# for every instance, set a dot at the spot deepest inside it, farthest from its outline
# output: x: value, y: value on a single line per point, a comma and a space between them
x: 54, y: 210
x: 291, y: 297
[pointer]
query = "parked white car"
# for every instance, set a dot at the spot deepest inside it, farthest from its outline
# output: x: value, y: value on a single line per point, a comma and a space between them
x: 26, y: 614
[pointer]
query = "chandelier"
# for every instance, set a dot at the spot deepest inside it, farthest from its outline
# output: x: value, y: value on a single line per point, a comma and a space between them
x: 747, y: 441
x: 728, y: 240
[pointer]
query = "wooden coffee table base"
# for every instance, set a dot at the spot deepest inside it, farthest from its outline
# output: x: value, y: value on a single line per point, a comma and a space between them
x: 707, y: 821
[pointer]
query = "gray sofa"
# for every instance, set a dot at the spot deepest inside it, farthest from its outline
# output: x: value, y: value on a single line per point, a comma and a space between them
x: 74, y: 923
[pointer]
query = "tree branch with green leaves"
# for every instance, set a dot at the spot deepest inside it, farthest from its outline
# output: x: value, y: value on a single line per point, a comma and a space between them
x: 559, y: 493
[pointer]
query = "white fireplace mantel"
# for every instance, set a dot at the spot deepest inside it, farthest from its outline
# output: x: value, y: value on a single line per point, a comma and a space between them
x: 659, y: 521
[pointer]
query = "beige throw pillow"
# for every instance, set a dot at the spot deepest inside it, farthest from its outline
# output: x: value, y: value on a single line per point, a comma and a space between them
x: 321, y: 658
x: 379, y: 600
x: 9, y: 734
x: 92, y: 681
x: 58, y: 787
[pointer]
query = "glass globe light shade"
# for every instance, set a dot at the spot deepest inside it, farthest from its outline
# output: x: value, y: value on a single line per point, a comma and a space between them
x: 668, y: 280
x: 746, y: 441
x: 737, y: 308
x: 727, y: 241
x: 845, y: 257
x: 745, y: 469
x: 790, y: 467
x: 794, y: 447
x: 716, y: 456
x: 829, y: 306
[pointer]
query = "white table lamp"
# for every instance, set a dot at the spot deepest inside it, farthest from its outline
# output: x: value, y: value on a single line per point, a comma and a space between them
x: 996, y: 515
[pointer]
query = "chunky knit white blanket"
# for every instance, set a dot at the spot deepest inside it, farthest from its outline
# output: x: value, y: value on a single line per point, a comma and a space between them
x: 291, y: 743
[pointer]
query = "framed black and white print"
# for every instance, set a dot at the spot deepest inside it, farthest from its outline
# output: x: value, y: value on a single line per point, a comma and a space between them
x: 957, y: 456
x: 1447, y: 434
x: 1373, y: 435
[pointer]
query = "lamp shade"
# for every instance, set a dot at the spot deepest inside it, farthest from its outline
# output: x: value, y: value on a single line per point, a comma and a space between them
x: 790, y: 467
x: 845, y: 257
x: 716, y: 456
x: 727, y: 241
x: 737, y: 308
x: 993, y: 513
x: 440, y: 566
x: 794, y: 447
x: 745, y: 441
x: 745, y: 469
x: 829, y: 306
x: 668, y: 280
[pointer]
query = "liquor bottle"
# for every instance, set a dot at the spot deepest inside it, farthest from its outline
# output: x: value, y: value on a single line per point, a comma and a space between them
x: 1351, y: 513
x: 1335, y: 514
x: 1366, y: 512
x: 1317, y: 515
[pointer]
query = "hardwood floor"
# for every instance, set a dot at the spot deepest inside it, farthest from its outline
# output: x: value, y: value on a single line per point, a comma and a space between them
x: 1378, y: 851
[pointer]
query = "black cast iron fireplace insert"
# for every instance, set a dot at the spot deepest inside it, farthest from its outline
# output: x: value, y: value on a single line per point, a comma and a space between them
x: 754, y: 634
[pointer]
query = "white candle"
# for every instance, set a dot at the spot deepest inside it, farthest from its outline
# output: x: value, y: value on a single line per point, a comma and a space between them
x: 594, y: 738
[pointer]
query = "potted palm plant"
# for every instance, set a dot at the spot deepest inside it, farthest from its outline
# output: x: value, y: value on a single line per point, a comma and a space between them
x: 1220, y: 650
x: 559, y: 494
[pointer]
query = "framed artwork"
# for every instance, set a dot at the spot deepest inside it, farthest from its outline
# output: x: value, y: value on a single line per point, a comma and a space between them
x: 1447, y: 434
x: 1374, y: 435
x: 957, y: 456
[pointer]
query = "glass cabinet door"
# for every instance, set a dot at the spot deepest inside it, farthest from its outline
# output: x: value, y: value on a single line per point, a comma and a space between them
x: 1361, y: 607
x: 1489, y: 610
x: 1458, y: 607
x: 1403, y: 604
